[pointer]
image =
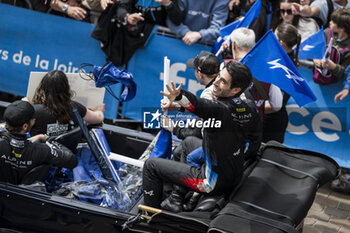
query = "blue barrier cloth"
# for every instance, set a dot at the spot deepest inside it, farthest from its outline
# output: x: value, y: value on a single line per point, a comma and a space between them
x: 109, y: 75
x: 146, y: 65
x: 321, y: 126
x: 57, y: 44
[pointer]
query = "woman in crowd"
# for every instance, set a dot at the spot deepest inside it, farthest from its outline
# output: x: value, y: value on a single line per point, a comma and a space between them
x: 306, y: 26
x: 53, y: 106
x: 275, y: 123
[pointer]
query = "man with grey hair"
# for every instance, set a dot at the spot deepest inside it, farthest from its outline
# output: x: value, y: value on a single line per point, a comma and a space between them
x: 242, y: 40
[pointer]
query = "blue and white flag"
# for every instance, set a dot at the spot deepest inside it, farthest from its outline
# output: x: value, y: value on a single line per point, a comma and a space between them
x: 253, y: 12
x: 313, y: 47
x: 226, y: 31
x: 224, y: 35
x: 277, y: 68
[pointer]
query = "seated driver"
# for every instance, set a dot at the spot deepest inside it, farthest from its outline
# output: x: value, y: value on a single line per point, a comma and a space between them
x: 223, y: 145
x: 22, y: 161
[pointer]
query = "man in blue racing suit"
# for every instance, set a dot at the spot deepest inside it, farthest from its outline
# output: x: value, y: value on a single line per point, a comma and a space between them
x: 228, y: 119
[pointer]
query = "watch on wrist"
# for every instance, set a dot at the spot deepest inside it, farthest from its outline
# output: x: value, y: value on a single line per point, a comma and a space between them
x: 65, y: 8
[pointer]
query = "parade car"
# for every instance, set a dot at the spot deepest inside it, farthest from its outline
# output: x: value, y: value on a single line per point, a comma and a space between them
x: 277, y: 190
x: 275, y: 194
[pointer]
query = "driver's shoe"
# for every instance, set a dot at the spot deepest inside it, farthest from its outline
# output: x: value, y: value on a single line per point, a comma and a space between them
x: 173, y: 203
x: 191, y: 203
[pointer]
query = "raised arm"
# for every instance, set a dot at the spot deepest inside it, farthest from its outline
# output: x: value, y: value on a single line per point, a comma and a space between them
x: 306, y: 10
x: 201, y: 107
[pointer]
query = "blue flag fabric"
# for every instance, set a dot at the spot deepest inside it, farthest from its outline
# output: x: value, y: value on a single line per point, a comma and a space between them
x: 253, y: 12
x: 224, y: 33
x: 313, y: 47
x: 277, y: 68
x: 109, y: 75
x: 163, y: 146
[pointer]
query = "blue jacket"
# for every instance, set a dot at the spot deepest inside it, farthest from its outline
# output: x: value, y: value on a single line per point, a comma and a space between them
x: 205, y: 17
x: 347, y: 78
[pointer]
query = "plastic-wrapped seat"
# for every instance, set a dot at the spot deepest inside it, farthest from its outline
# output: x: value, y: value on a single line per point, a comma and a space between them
x: 277, y: 195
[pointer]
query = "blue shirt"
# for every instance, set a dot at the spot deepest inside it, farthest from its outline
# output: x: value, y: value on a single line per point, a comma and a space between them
x: 322, y: 4
x: 205, y: 17
x: 347, y: 78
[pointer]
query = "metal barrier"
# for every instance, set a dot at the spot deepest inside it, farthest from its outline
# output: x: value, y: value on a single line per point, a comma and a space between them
x: 306, y: 63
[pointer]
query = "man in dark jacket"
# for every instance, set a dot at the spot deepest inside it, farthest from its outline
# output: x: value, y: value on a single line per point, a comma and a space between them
x: 24, y: 162
x: 223, y: 140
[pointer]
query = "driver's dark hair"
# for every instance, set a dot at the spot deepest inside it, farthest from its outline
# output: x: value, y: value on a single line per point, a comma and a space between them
x: 240, y: 74
x: 15, y: 129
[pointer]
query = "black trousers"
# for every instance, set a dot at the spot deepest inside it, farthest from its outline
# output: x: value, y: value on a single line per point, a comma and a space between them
x: 156, y: 171
x: 188, y: 145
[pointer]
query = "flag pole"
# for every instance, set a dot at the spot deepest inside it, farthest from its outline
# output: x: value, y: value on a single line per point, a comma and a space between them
x: 327, y: 55
x: 226, y: 41
x: 166, y: 80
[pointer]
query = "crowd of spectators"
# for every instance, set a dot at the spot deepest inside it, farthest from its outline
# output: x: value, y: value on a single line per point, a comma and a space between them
x: 194, y: 21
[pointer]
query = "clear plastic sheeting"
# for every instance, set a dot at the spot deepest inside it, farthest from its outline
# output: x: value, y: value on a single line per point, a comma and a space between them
x: 131, y: 180
x: 90, y: 186
x: 36, y: 186
x: 101, y: 192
